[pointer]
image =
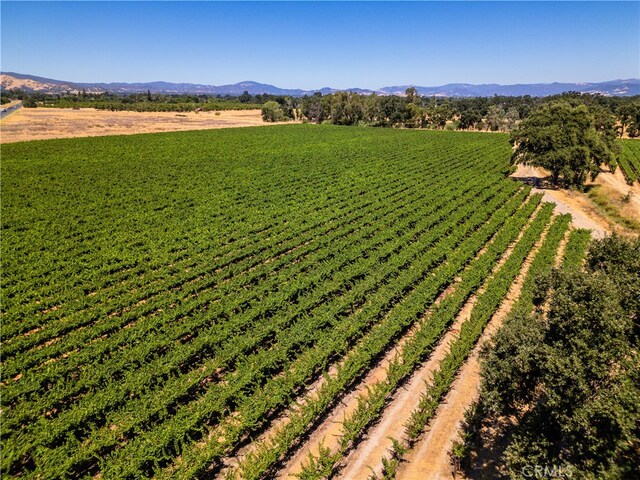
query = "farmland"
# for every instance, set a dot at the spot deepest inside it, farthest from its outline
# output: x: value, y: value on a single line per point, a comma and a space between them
x: 630, y: 160
x: 194, y: 304
x: 48, y: 123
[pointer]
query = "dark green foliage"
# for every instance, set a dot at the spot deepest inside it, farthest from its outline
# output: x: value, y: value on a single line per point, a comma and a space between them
x: 629, y: 115
x: 29, y: 103
x: 469, y: 119
x: 494, y: 113
x: 567, y: 140
x: 272, y: 112
x: 619, y: 259
x: 571, y: 375
x: 245, y: 97
x: 139, y: 102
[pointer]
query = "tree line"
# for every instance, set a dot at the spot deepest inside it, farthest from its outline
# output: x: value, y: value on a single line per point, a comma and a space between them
x: 141, y: 102
x: 572, y: 135
x: 497, y: 114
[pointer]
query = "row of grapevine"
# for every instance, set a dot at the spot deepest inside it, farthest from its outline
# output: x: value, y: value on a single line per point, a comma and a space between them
x: 106, y: 398
x: 189, y: 274
x: 630, y: 160
x: 60, y: 369
x: 285, y: 262
x: 279, y: 192
x: 575, y: 249
x: 245, y: 248
x: 353, y: 325
x: 266, y: 456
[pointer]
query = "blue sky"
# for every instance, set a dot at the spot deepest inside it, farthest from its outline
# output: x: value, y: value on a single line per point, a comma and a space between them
x: 312, y: 45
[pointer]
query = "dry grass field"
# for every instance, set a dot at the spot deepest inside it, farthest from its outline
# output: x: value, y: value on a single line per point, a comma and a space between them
x: 45, y: 123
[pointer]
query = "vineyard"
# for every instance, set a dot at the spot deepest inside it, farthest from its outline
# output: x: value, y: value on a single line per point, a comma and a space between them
x: 630, y: 160
x: 117, y: 105
x: 196, y: 304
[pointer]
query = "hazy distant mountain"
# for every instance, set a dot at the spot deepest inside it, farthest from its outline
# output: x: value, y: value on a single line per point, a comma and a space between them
x: 611, y: 88
x: 32, y: 83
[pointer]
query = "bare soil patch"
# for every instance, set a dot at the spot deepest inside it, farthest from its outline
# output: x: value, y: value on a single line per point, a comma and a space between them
x: 583, y: 211
x: 617, y: 182
x: 45, y: 123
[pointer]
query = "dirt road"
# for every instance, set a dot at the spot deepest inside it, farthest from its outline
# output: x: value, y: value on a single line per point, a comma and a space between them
x: 577, y: 204
x: 44, y: 123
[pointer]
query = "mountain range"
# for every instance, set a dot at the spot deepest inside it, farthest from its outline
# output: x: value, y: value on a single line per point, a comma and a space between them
x: 32, y: 83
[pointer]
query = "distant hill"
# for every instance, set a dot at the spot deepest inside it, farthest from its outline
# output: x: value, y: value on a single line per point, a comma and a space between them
x: 611, y: 88
x: 32, y: 83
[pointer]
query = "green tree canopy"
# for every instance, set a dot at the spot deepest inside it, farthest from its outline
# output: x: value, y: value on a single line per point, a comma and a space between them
x: 411, y: 94
x: 629, y: 115
x: 469, y: 119
x: 563, y: 139
x: 272, y: 112
x: 571, y: 375
x: 245, y: 97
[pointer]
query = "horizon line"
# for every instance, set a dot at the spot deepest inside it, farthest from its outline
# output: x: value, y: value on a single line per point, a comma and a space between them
x: 408, y: 85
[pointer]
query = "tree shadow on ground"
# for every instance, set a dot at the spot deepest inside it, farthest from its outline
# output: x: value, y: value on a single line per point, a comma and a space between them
x: 542, y: 183
x: 486, y: 457
x: 487, y: 439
